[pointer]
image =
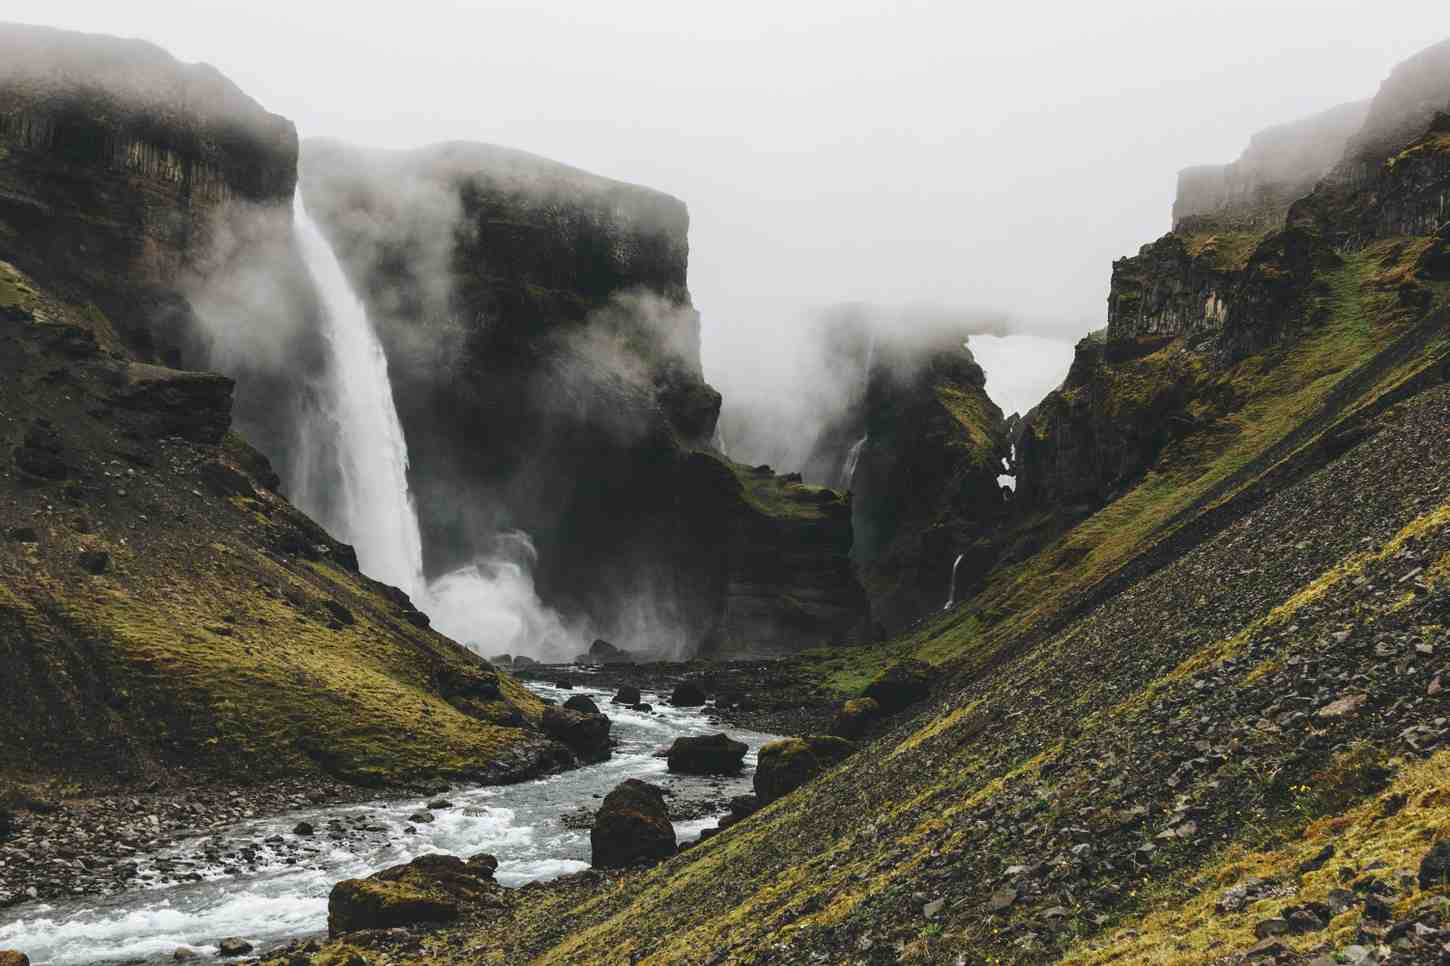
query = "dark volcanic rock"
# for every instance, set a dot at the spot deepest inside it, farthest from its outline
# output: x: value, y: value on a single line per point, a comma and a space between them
x: 716, y: 754
x: 233, y: 947
x: 688, y: 694
x: 631, y: 827
x: 901, y: 686
x: 1435, y: 866
x: 788, y: 764
x: 581, y: 703
x: 587, y: 735
x: 627, y: 694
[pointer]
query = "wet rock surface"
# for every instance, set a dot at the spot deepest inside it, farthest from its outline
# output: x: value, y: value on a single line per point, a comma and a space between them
x: 632, y: 827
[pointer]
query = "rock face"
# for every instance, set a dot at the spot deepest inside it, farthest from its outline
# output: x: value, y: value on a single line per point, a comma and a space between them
x: 854, y: 717
x: 716, y: 754
x: 631, y: 828
x: 788, y: 764
x: 1280, y: 166
x: 429, y: 890
x: 586, y: 734
x: 925, y: 489
x: 117, y: 161
x: 900, y: 686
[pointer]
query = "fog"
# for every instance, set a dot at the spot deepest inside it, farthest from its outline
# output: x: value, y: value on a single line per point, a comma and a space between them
x: 883, y: 151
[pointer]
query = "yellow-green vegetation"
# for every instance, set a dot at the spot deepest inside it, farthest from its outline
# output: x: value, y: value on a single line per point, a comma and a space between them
x: 1436, y: 142
x: 775, y: 496
x: 847, y: 671
x: 1179, y: 923
x: 969, y: 409
x: 220, y: 632
x: 1227, y: 251
x: 15, y: 290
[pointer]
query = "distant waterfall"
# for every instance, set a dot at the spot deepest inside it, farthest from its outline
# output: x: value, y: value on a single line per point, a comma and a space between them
x: 952, y: 589
x: 853, y: 457
x: 489, y: 605
x: 376, y: 513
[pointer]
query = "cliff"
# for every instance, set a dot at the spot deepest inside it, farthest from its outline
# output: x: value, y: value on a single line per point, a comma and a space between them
x: 926, y: 489
x: 545, y: 362
x: 1196, y: 712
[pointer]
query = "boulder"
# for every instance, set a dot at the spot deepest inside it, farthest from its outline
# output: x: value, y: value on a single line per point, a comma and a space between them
x: 628, y: 694
x: 581, y: 703
x: 9, y: 957
x: 94, y: 561
x: 563, y: 684
x: 632, y: 827
x: 901, y: 686
x: 586, y: 735
x: 716, y: 754
x: 688, y: 694
x: 504, y: 659
x: 788, y: 764
x: 1435, y: 866
x: 603, y: 652
x: 303, y: 828
x: 431, y: 889
x: 233, y: 947
x: 854, y: 717
x: 522, y: 661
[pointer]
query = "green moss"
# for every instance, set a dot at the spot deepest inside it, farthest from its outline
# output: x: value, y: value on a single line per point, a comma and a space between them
x: 1225, y: 251
x: 775, y: 496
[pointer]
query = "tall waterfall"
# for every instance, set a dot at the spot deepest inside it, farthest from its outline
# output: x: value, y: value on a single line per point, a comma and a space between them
x: 376, y: 513
x: 952, y: 590
x: 853, y: 458
x: 489, y: 605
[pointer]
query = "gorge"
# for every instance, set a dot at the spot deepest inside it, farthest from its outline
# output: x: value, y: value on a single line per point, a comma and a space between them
x: 367, y: 523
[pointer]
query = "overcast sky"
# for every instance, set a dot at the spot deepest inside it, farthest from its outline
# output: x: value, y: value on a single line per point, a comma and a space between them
x: 992, y: 156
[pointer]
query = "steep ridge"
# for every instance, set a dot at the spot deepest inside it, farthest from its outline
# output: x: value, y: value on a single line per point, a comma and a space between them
x: 167, y: 616
x: 545, y: 362
x: 1202, y: 721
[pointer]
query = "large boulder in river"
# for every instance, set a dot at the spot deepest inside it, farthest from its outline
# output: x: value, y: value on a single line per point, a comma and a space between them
x: 9, y: 957
x: 901, y: 686
x: 581, y: 703
x: 628, y: 694
x: 788, y: 764
x: 585, y: 734
x: 854, y: 717
x: 716, y: 754
x: 688, y: 694
x: 430, y: 889
x: 632, y: 827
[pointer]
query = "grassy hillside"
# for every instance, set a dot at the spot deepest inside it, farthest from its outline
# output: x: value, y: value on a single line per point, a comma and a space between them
x: 164, y: 612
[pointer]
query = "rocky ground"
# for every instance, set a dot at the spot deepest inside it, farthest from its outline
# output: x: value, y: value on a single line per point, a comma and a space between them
x: 783, y: 697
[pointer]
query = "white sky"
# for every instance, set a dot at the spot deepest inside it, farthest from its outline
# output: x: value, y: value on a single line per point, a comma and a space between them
x: 996, y: 156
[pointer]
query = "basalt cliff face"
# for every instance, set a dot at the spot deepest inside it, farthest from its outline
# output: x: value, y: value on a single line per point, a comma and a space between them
x: 545, y: 363
x: 165, y: 614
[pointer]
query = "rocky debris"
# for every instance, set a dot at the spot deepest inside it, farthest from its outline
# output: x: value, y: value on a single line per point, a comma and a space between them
x: 632, y: 827
x: 303, y: 829
x: 688, y: 694
x: 9, y: 957
x: 854, y: 717
x: 627, y: 694
x: 716, y: 754
x: 788, y: 764
x: 581, y: 703
x: 429, y: 890
x: 585, y: 734
x: 901, y: 686
x: 233, y: 946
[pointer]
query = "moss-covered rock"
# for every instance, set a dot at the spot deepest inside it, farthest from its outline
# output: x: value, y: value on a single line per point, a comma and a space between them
x: 585, y: 734
x: 10, y: 957
x: 429, y: 890
x: 854, y: 717
x: 901, y: 686
x: 631, y: 827
x: 786, y: 765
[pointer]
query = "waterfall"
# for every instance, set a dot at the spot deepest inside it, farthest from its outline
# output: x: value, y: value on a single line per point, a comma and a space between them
x: 952, y: 589
x: 490, y: 605
x: 376, y: 513
x: 853, y: 457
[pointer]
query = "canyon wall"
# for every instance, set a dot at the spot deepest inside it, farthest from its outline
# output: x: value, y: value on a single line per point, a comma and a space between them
x: 545, y: 362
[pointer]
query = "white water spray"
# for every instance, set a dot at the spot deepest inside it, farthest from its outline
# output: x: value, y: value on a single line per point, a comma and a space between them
x: 952, y: 590
x: 489, y: 606
x: 376, y: 514
x: 853, y: 458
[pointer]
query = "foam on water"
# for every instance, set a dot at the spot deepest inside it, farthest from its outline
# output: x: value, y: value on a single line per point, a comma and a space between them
x: 276, y: 902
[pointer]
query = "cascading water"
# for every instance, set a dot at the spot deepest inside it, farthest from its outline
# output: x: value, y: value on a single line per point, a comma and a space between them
x: 853, y: 457
x: 952, y: 590
x: 376, y: 514
x: 489, y: 606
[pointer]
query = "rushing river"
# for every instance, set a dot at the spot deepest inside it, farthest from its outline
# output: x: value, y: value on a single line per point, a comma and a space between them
x: 273, y: 902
